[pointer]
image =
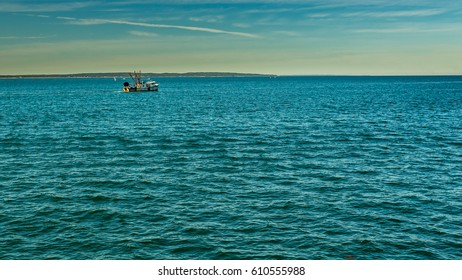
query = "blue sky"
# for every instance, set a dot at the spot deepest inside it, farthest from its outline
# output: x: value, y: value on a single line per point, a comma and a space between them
x: 293, y: 37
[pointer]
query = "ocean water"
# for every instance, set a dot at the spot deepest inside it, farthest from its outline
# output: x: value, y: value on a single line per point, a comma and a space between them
x: 232, y: 168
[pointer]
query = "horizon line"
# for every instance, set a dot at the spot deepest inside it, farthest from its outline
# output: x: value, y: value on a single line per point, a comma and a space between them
x: 221, y: 73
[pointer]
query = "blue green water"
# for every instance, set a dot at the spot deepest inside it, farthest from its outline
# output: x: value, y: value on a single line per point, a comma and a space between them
x: 232, y: 168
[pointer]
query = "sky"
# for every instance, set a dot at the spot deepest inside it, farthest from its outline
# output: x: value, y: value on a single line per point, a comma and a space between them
x: 290, y: 37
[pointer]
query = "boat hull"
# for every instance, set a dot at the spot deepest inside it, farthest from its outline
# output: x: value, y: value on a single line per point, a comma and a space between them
x: 140, y: 85
x: 134, y: 89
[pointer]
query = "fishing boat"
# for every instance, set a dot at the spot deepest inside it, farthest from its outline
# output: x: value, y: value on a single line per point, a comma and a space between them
x: 139, y: 84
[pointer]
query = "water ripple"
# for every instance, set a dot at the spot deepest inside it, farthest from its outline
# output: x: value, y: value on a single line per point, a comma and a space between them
x: 231, y: 168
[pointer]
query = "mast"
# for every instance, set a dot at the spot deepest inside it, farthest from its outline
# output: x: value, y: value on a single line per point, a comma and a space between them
x: 136, y: 77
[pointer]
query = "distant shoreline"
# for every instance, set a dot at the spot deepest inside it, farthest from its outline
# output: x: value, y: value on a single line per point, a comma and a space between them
x: 125, y: 74
x: 196, y: 75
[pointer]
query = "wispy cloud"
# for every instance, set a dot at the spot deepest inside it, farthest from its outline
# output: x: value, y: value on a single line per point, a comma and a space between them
x: 25, y: 37
x: 144, y: 34
x: 66, y: 18
x: 271, y: 11
x: 208, y: 19
x: 49, y: 7
x: 408, y: 30
x: 287, y: 33
x: 86, y: 21
x: 409, y: 13
x: 153, y: 25
x: 318, y: 15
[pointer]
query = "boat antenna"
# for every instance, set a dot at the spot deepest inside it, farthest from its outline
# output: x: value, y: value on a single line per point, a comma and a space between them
x: 136, y: 77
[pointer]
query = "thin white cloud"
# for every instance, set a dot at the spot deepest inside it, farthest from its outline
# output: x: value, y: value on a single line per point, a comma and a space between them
x: 318, y: 15
x: 143, y: 34
x: 25, y: 37
x: 46, y: 7
x: 66, y: 18
x: 209, y: 19
x: 272, y: 11
x: 241, y: 25
x: 410, y: 13
x: 191, y: 28
x: 88, y: 21
x: 287, y: 33
x: 408, y: 30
